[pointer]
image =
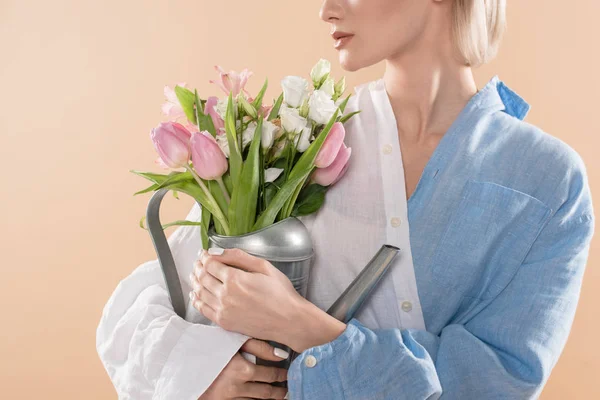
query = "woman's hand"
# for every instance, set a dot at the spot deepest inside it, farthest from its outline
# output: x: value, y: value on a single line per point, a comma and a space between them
x: 241, y: 379
x: 257, y: 300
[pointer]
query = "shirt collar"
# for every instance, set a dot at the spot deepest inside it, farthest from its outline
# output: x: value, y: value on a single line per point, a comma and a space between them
x: 497, y: 96
x: 494, y: 96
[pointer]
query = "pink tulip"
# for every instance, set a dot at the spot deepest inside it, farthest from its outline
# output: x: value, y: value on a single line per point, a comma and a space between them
x: 172, y: 107
x: 209, y: 108
x: 329, y: 175
x: 232, y: 81
x: 191, y: 127
x: 331, y: 146
x: 172, y: 143
x: 209, y: 160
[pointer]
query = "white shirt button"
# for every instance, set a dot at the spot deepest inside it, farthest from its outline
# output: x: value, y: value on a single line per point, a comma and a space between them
x: 406, y: 306
x: 387, y: 149
x: 310, y: 361
x: 395, y: 222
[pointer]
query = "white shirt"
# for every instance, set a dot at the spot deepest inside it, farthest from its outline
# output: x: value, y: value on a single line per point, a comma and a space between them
x: 151, y: 353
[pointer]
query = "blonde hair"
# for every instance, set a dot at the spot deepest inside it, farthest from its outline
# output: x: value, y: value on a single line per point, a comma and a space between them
x: 477, y: 29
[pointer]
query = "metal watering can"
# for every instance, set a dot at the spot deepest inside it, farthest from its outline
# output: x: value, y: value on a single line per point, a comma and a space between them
x: 287, y: 245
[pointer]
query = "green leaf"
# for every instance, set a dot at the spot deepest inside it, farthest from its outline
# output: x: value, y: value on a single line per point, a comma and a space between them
x: 156, y: 178
x: 268, y: 216
x: 275, y: 110
x: 305, y: 163
x: 242, y: 209
x: 310, y: 199
x: 205, y: 218
x: 148, y: 189
x: 342, y: 105
x: 177, y: 177
x: 191, y: 188
x: 181, y: 222
x: 206, y: 124
x: 228, y: 183
x: 348, y: 116
x: 257, y: 102
x: 235, y: 156
x: 248, y: 108
x: 142, y: 223
x: 186, y: 99
x: 270, y: 192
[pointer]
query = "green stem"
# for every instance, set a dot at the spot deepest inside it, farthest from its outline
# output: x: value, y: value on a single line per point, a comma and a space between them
x: 223, y: 189
x: 220, y: 216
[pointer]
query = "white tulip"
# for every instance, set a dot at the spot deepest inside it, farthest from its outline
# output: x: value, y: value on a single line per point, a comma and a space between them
x: 321, y: 107
x: 272, y: 173
x: 295, y: 90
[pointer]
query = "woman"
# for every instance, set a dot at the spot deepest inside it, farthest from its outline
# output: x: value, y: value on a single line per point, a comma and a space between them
x: 494, y: 218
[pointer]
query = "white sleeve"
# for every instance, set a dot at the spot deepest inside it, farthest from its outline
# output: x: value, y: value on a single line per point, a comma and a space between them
x: 149, y: 351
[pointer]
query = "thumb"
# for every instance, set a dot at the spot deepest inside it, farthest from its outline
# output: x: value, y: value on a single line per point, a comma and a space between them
x: 264, y: 350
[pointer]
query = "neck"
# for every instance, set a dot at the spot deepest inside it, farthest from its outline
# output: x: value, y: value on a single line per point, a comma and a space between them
x: 427, y: 90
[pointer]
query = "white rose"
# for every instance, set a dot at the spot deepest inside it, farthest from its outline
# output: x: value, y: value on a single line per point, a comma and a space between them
x: 321, y: 68
x: 291, y: 120
x: 321, y: 107
x: 328, y: 86
x: 272, y: 173
x: 295, y: 89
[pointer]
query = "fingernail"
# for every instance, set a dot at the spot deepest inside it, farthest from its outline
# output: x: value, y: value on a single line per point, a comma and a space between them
x: 286, y: 395
x: 191, y: 294
x: 215, y: 251
x: 200, y: 252
x: 192, y: 277
x: 281, y: 353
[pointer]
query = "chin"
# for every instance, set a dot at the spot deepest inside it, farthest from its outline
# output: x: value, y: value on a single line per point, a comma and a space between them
x: 348, y: 62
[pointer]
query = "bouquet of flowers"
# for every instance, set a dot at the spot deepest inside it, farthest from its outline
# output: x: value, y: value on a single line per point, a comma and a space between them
x: 249, y: 165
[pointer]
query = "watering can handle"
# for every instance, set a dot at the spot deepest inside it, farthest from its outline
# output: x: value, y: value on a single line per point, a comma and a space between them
x: 163, y: 252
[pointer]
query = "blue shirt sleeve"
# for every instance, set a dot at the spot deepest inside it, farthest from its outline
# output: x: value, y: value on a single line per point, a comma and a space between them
x: 505, y: 350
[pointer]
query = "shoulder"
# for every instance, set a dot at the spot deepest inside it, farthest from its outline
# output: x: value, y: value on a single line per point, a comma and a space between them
x: 550, y: 167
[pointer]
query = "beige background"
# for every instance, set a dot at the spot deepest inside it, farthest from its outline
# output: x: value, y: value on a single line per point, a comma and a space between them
x: 81, y: 86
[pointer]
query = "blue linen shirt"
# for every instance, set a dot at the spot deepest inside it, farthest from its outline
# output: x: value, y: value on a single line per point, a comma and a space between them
x: 500, y: 229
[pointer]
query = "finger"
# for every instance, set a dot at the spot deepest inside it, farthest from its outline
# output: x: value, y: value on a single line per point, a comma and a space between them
x: 209, y: 282
x: 238, y: 258
x: 264, y: 350
x: 262, y: 391
x: 264, y: 373
x: 198, y: 268
x: 203, y: 308
x: 219, y: 270
x: 207, y: 297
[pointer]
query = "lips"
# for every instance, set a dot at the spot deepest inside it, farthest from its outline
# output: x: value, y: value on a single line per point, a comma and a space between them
x: 339, y: 34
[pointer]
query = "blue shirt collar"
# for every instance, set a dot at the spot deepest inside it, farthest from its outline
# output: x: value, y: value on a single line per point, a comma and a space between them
x: 497, y: 96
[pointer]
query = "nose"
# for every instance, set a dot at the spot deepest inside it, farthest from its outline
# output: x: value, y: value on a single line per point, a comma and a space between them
x: 330, y: 10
